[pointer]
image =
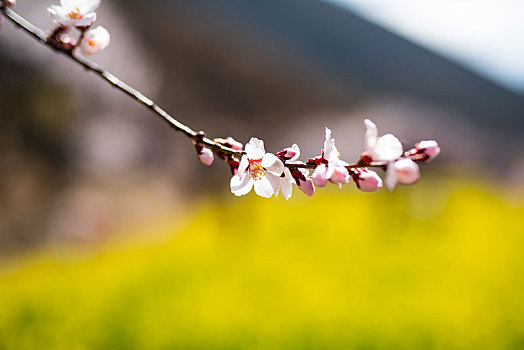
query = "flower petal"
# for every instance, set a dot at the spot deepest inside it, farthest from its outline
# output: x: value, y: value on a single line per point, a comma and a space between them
x: 255, y: 148
x: 340, y: 175
x: 272, y: 164
x: 330, y: 151
x: 327, y: 142
x: 286, y: 184
x: 69, y: 4
x: 371, y: 136
x: 297, y: 150
x: 407, y: 171
x: 86, y: 21
x: 244, y: 163
x: 319, y: 175
x: 388, y: 148
x: 330, y: 170
x: 266, y: 186
x: 241, y: 185
x: 391, y: 177
x: 307, y: 186
x: 89, y: 6
x: 56, y: 12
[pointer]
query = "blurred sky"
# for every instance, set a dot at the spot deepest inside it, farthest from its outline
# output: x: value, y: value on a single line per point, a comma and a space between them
x: 486, y: 35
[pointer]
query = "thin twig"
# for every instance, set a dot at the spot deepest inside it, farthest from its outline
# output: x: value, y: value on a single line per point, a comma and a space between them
x: 42, y: 37
x: 89, y: 65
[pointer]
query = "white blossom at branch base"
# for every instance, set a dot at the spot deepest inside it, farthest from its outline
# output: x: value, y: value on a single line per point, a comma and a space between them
x: 94, y: 41
x: 258, y: 170
x: 332, y: 167
x: 429, y: 148
x: 383, y: 148
x: 404, y: 172
x: 366, y: 180
x: 76, y: 13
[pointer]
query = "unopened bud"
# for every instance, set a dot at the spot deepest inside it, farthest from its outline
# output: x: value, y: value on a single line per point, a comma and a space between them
x: 66, y: 41
x: 289, y: 153
x: 9, y: 3
x: 407, y: 171
x: 206, y: 156
x: 430, y: 149
x: 366, y: 180
x: 303, y: 181
x: 307, y: 186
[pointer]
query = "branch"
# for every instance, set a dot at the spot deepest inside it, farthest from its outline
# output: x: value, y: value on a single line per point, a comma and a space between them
x: 114, y: 81
x: 89, y: 65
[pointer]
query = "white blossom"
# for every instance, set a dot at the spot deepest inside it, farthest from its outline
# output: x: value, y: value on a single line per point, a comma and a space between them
x: 383, y: 148
x: 257, y: 169
x: 77, y: 13
x: 94, y: 40
x: 333, y: 168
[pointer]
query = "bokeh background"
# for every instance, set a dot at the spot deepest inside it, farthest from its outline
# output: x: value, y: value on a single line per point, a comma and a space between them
x: 114, y: 236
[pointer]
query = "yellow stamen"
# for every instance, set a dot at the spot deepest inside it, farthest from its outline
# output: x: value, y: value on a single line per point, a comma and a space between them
x: 75, y: 14
x: 91, y: 43
x: 256, y: 170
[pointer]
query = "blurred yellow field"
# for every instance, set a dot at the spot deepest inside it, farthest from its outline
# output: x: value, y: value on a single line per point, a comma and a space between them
x: 421, y: 268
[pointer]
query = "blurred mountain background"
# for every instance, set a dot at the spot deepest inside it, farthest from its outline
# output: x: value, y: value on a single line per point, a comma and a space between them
x: 79, y: 159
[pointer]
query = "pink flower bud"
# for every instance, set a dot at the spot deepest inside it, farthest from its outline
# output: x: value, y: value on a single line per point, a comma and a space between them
x: 307, y: 186
x: 430, y: 149
x: 319, y: 175
x: 303, y: 181
x: 289, y: 153
x: 340, y: 175
x: 9, y: 3
x: 66, y: 41
x: 366, y: 180
x: 407, y: 171
x: 206, y: 156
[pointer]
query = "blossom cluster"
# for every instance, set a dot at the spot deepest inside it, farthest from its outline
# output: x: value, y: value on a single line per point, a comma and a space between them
x: 269, y: 174
x: 79, y: 14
